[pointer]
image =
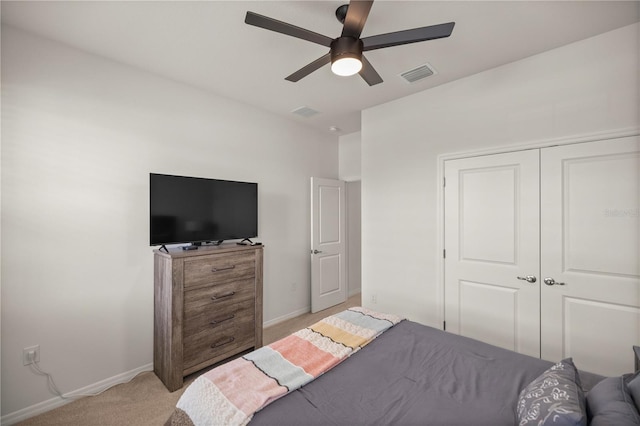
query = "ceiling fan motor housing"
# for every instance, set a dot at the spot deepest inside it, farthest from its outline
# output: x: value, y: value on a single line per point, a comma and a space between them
x: 346, y: 47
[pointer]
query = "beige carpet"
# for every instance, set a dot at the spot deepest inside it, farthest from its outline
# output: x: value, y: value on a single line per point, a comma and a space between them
x: 145, y: 400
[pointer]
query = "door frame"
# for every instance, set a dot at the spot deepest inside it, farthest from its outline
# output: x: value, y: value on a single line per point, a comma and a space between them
x: 544, y: 143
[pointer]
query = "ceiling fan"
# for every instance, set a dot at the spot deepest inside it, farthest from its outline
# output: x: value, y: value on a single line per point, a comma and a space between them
x: 345, y: 52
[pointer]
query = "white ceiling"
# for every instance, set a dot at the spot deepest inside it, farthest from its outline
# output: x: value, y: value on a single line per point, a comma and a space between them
x: 207, y: 44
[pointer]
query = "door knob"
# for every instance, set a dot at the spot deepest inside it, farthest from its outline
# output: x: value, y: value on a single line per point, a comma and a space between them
x: 551, y: 281
x: 528, y: 278
x: 314, y: 251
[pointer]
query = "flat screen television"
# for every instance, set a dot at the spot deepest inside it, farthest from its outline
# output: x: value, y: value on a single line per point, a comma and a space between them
x: 196, y: 210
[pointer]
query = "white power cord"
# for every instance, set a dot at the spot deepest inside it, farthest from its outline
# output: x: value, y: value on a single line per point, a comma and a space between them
x: 53, y: 388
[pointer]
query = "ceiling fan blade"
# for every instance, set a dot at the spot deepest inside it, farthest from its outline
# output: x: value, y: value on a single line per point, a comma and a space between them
x: 368, y: 73
x: 287, y: 29
x: 408, y: 36
x: 308, y: 69
x: 357, y: 14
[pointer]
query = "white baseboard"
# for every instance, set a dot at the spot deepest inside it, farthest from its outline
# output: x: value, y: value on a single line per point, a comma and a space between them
x: 299, y: 312
x: 290, y: 315
x: 50, y: 404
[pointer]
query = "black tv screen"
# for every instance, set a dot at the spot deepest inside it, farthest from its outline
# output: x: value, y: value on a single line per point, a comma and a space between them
x: 192, y: 210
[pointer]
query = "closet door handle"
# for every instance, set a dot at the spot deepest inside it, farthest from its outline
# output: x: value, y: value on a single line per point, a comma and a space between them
x: 551, y: 281
x: 314, y: 251
x: 528, y: 278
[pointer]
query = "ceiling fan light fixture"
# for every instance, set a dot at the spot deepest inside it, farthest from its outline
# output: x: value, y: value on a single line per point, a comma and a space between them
x: 346, y: 56
x: 346, y: 66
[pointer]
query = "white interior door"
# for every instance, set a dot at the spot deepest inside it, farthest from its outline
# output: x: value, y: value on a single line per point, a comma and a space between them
x: 328, y: 244
x: 491, y: 239
x: 590, y: 248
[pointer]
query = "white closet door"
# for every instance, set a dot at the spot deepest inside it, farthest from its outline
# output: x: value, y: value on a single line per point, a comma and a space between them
x: 491, y: 239
x: 590, y: 248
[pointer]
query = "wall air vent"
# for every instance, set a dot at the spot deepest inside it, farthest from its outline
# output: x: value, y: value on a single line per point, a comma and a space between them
x: 418, y: 73
x: 305, y: 111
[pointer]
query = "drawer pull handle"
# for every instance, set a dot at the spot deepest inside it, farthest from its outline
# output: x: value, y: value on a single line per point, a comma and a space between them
x: 222, y: 342
x: 216, y: 322
x: 222, y: 296
x: 223, y: 269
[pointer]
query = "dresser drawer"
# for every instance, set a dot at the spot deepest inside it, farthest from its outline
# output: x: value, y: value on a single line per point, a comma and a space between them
x: 229, y: 337
x: 205, y: 270
x: 218, y: 317
x: 216, y: 296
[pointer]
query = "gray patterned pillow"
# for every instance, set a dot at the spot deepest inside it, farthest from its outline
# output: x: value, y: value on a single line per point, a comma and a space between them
x: 553, y: 398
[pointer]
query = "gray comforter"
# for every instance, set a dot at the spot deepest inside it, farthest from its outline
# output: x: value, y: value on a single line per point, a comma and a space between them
x: 414, y: 375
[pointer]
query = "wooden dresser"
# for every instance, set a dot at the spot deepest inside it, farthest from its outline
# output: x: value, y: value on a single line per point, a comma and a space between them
x: 207, y: 307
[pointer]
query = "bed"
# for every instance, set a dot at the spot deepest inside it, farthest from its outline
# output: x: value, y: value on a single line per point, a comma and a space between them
x: 363, y: 367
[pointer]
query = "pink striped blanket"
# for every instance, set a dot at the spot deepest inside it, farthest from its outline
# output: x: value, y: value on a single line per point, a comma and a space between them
x: 231, y: 393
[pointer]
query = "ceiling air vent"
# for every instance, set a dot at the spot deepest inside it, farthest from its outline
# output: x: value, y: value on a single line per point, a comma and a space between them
x: 305, y: 111
x: 416, y: 74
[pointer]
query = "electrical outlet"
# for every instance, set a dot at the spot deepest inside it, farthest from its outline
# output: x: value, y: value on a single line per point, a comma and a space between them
x: 374, y: 298
x: 294, y: 287
x: 31, y: 355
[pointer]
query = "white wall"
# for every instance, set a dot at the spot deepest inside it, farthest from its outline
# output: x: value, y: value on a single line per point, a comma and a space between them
x: 583, y: 88
x: 80, y: 135
x: 354, y: 237
x: 350, y: 154
x: 349, y: 161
